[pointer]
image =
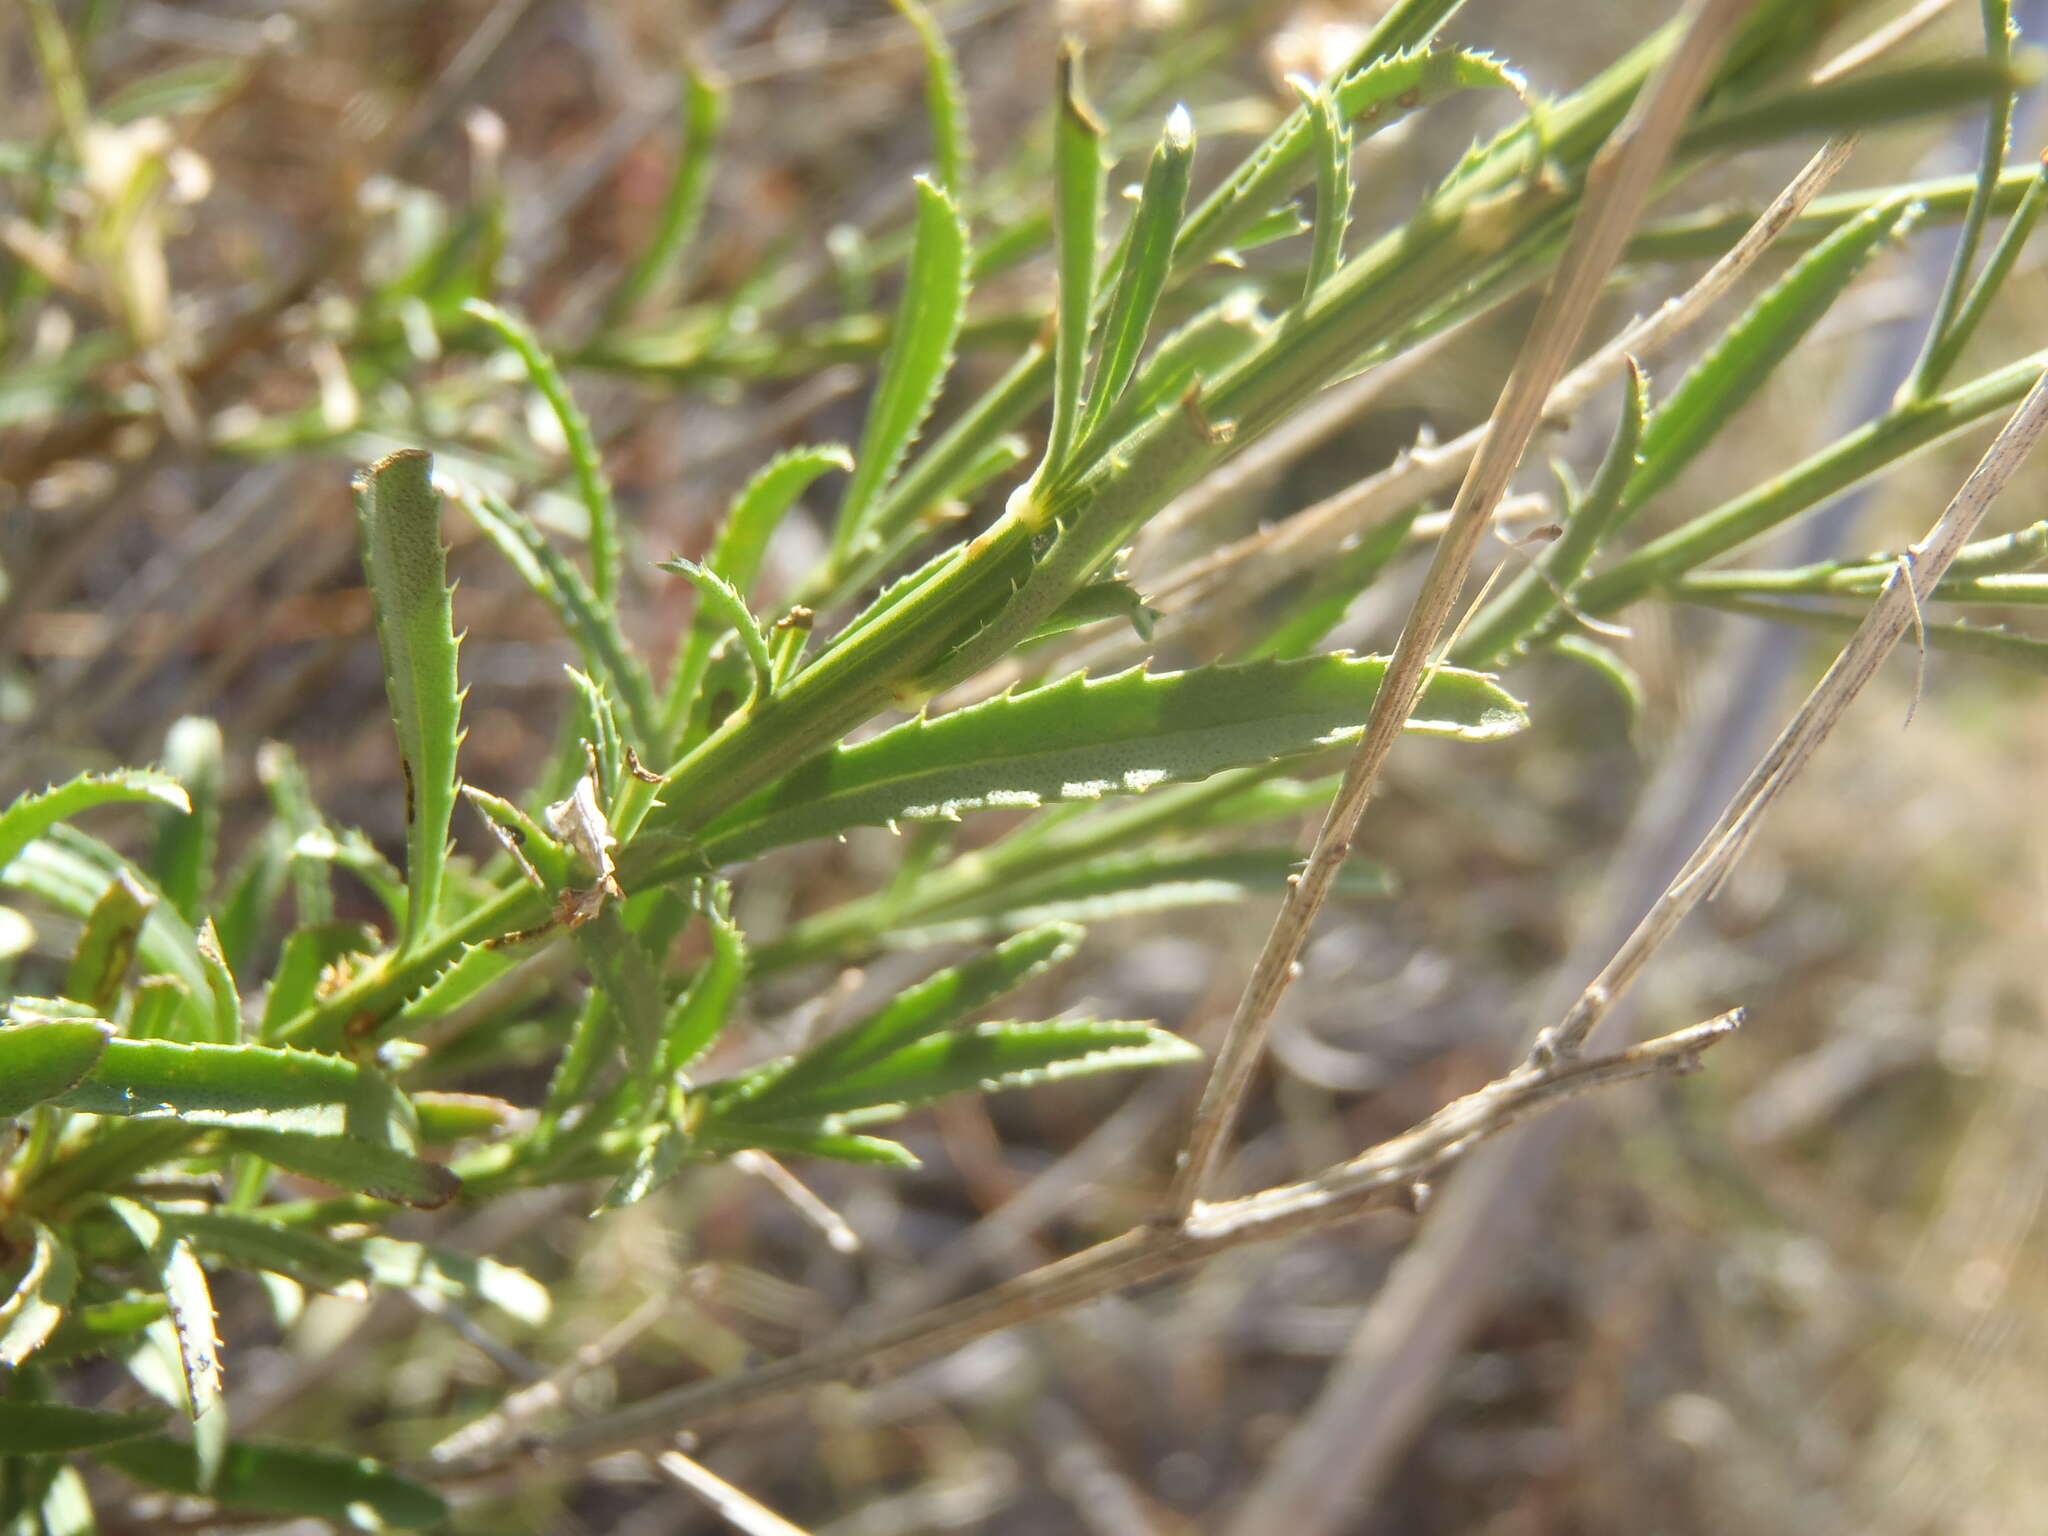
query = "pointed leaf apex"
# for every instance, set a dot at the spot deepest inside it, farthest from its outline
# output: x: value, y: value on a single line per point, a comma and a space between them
x: 1180, y: 129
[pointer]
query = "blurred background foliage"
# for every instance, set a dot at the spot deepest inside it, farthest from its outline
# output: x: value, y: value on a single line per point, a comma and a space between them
x: 1809, y: 1301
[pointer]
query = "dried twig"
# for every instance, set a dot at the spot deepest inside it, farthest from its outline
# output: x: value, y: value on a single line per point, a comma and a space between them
x: 1618, y: 187
x: 1386, y: 1175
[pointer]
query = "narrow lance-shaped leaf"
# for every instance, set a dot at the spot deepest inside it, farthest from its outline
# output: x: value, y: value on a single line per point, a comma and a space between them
x: 399, y: 512
x: 592, y: 486
x: 983, y: 1059
x: 282, y: 1480
x: 699, y: 1015
x: 185, y: 844
x: 30, y: 1313
x: 1943, y: 351
x: 920, y: 351
x: 71, y: 870
x: 1861, y: 100
x: 656, y: 269
x: 291, y: 796
x: 184, y: 1286
x: 1127, y: 884
x: 1148, y: 254
x: 736, y: 555
x: 224, y: 1010
x: 1375, y: 95
x: 55, y: 1429
x: 106, y: 946
x: 936, y: 1003
x: 347, y: 1163
x: 1081, y: 738
x: 1753, y: 347
x: 32, y: 815
x: 721, y: 598
x: 1940, y: 347
x: 42, y: 1059
x: 950, y: 149
x: 813, y: 1140
x: 1077, y: 192
x: 1333, y: 188
x: 591, y: 624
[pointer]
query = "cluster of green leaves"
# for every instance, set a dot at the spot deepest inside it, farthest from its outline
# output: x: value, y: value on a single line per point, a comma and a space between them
x: 183, y: 1064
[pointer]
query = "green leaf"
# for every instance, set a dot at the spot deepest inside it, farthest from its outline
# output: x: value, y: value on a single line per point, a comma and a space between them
x: 920, y: 351
x: 71, y: 871
x: 936, y: 1003
x: 1108, y: 598
x: 1375, y: 95
x: 1945, y: 347
x: 185, y: 1288
x: 284, y: 779
x: 1753, y: 347
x: 249, y: 914
x: 698, y: 1017
x: 655, y: 269
x: 1141, y: 277
x: 106, y: 946
x: 32, y: 815
x: 283, y: 1480
x: 102, y: 1327
x: 225, y: 1013
x: 45, y: 1429
x: 249, y: 1240
x: 1862, y: 100
x: 196, y: 86
x: 42, y: 1060
x: 723, y: 600
x: 347, y: 1163
x: 1081, y: 738
x: 808, y: 1140
x: 1942, y: 343
x: 983, y: 1059
x: 185, y: 843
x: 35, y: 1306
x: 737, y: 553
x: 950, y: 148
x: 591, y: 624
x: 1203, y: 348
x: 212, y: 1084
x: 1607, y: 664
x: 1127, y: 884
x: 591, y: 485
x: 1333, y: 188
x: 399, y: 513
x: 1077, y: 200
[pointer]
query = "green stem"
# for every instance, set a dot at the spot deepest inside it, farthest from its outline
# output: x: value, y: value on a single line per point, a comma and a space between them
x: 1864, y: 452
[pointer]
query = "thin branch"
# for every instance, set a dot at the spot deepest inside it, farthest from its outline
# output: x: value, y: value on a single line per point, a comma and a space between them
x: 1385, y: 1175
x: 1618, y: 187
